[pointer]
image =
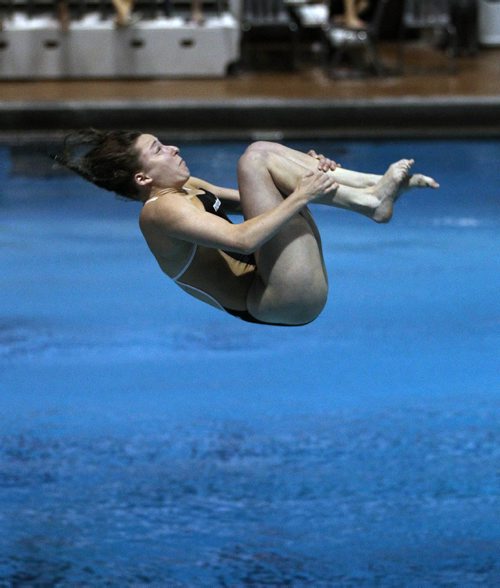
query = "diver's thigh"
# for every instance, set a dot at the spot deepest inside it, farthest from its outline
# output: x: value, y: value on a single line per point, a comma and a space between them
x: 291, y: 284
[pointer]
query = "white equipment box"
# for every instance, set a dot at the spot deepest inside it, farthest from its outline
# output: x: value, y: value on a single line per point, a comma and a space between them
x: 489, y: 22
x: 37, y: 48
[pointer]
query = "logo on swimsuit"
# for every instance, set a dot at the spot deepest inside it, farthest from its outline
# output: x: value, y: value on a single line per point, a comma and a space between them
x: 217, y: 204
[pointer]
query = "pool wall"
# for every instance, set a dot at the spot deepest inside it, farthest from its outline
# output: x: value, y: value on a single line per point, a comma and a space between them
x: 270, y: 118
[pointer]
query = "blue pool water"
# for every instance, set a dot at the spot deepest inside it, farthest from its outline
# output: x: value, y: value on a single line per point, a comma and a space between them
x: 149, y: 440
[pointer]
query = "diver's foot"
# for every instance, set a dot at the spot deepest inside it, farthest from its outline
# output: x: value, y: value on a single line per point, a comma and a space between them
x: 388, y: 188
x: 421, y: 181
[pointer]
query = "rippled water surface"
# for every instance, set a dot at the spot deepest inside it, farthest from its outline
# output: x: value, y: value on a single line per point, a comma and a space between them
x: 149, y: 440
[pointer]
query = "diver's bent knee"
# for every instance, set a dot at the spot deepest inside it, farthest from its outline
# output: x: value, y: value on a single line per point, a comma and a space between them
x: 252, y: 159
x: 261, y: 147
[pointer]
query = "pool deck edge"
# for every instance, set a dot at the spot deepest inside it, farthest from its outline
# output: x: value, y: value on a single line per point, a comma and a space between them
x: 262, y: 118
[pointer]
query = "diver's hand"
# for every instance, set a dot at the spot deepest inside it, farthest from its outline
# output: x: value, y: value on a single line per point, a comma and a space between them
x: 314, y: 184
x: 324, y: 163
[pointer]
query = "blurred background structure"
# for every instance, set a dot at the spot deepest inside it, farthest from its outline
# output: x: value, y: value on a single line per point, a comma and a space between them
x: 237, y: 67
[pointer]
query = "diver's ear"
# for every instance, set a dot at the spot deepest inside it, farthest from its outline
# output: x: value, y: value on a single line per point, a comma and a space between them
x: 141, y: 179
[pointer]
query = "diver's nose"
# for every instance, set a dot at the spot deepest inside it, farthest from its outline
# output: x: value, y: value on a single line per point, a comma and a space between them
x: 174, y: 149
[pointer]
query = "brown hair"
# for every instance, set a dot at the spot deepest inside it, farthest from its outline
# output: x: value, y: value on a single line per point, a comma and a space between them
x: 109, y: 159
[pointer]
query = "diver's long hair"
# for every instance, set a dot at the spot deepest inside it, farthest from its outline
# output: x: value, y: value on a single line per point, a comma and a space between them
x: 108, y: 159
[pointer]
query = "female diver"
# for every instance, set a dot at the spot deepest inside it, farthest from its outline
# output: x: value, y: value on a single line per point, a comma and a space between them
x: 268, y: 269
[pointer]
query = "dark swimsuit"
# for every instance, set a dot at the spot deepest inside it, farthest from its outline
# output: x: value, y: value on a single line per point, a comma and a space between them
x: 213, y: 205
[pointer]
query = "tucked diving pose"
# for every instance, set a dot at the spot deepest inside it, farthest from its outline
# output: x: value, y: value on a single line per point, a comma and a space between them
x: 267, y: 269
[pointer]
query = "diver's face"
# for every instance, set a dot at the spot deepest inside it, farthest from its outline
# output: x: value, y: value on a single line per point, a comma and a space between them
x: 161, y: 164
